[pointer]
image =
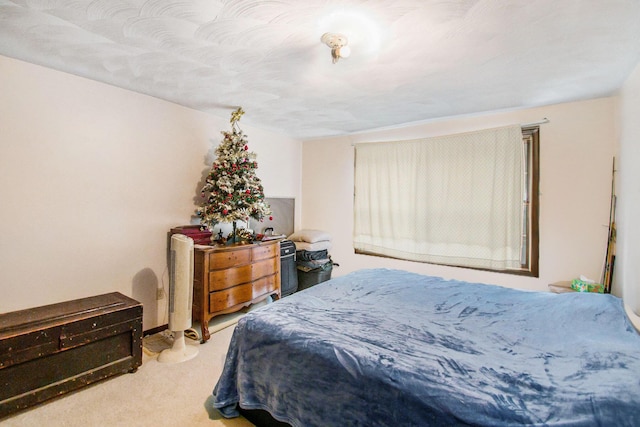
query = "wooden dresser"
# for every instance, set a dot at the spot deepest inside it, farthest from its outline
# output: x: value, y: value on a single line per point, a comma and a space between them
x: 228, y: 278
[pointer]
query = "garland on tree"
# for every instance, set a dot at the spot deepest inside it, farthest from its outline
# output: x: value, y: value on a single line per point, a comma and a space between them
x: 232, y: 191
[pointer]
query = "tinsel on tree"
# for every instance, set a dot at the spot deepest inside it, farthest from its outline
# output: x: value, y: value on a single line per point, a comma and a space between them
x: 232, y: 191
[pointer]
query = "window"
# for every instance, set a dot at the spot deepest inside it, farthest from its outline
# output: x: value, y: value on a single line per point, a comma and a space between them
x: 531, y: 150
x: 467, y: 200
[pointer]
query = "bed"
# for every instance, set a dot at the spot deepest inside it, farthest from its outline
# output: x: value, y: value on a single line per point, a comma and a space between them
x: 384, y: 347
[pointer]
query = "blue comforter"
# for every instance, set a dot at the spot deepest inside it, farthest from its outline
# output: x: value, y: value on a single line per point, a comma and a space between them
x: 392, y: 348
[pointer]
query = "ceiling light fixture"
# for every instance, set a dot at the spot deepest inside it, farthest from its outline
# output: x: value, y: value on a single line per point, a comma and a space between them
x: 338, y: 44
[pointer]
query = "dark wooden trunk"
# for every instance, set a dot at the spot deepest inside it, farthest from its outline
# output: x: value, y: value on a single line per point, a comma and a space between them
x: 51, y: 350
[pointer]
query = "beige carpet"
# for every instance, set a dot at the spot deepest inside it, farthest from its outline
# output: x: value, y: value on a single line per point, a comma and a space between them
x: 158, y: 394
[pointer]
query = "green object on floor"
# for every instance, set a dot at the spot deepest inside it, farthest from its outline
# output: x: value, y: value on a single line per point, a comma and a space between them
x: 583, y: 286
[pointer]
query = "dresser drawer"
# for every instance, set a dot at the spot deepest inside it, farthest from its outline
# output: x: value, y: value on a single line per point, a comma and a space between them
x: 222, y: 300
x: 264, y: 285
x: 264, y: 268
x: 228, y: 258
x: 223, y: 279
x: 264, y: 252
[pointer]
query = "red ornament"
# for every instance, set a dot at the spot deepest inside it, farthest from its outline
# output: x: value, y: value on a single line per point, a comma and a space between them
x: 248, y: 191
x: 246, y: 147
x: 270, y: 218
x: 224, y: 212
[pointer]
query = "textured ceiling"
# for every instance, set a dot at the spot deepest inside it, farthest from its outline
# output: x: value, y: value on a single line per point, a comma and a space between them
x: 411, y: 60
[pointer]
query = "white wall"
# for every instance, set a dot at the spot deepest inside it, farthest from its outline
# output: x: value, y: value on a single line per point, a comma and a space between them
x: 627, y: 265
x: 576, y: 150
x: 92, y: 177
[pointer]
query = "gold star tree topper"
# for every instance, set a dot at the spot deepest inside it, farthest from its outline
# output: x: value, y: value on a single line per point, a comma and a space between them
x: 235, y: 116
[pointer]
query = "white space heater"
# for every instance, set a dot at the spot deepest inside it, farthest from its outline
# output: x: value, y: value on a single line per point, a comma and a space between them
x: 180, y: 299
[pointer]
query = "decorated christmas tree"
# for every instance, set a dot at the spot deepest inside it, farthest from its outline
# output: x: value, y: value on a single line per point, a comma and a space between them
x: 232, y: 191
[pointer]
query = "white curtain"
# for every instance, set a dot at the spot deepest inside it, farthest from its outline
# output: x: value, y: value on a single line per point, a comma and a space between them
x: 453, y: 200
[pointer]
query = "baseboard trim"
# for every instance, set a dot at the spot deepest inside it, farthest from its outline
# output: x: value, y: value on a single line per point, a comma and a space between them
x: 155, y: 330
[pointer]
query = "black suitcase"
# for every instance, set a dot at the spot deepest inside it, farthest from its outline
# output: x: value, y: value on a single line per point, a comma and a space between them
x: 308, y: 277
x: 288, y: 271
x: 313, y: 267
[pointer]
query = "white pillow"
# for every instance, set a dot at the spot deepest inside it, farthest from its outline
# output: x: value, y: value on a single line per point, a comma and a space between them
x: 310, y: 236
x: 311, y: 247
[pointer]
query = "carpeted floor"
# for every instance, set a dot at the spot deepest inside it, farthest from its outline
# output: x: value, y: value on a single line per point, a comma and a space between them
x: 158, y: 394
